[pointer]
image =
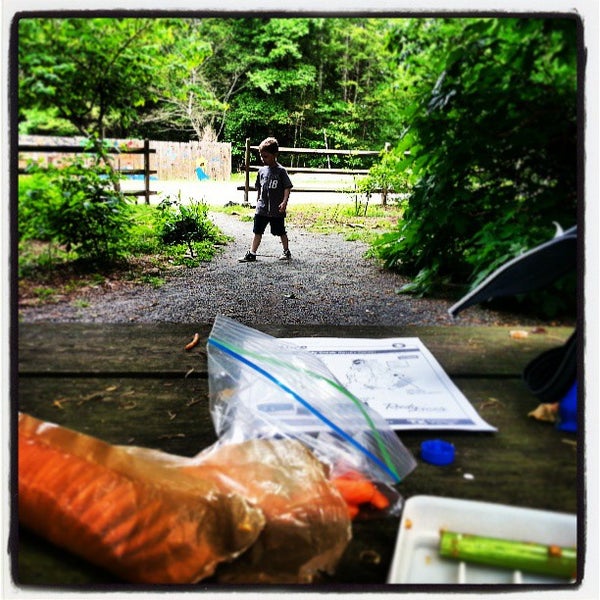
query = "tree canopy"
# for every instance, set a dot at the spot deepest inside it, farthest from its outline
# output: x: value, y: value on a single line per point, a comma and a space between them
x: 306, y: 80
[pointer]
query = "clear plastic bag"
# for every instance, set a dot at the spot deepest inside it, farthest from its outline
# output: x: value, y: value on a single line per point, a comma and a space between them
x: 263, y: 387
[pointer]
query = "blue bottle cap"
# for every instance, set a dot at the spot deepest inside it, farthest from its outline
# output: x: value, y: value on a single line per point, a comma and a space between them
x: 437, y: 452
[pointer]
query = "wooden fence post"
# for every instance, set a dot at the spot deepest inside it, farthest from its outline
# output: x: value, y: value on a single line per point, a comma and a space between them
x: 147, y: 170
x: 247, y: 171
x: 384, y: 187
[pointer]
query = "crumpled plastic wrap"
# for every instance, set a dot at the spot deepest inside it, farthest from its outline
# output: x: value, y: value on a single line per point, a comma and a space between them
x: 126, y: 510
x: 307, y: 525
x: 263, y: 511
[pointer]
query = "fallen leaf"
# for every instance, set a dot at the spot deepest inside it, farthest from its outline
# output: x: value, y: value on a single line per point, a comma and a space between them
x: 194, y: 342
x: 370, y: 557
x: 545, y: 412
x: 518, y: 334
x: 491, y: 402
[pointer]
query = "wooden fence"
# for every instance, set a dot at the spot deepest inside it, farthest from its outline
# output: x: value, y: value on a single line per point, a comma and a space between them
x: 54, y: 155
x: 187, y: 161
x: 315, y: 170
x: 193, y: 161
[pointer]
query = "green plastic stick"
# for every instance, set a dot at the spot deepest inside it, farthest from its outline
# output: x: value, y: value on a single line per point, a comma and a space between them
x: 522, y: 556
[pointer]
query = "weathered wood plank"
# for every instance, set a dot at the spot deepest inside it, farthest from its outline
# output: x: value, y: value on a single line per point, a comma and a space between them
x: 319, y: 190
x: 325, y: 151
x: 110, y: 348
x: 82, y: 150
x: 106, y: 348
x: 316, y: 170
x: 169, y: 415
x: 525, y: 463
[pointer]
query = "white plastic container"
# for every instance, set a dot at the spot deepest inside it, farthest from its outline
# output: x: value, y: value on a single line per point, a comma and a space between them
x: 416, y: 557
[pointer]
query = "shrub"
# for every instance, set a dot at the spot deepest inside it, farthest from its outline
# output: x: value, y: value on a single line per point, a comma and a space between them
x: 489, y: 153
x: 187, y: 225
x: 77, y: 206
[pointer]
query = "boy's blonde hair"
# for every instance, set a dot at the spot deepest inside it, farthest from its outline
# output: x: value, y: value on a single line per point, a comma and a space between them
x: 269, y: 144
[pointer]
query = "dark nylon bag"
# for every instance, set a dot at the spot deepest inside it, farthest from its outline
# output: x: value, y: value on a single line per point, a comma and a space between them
x: 550, y: 375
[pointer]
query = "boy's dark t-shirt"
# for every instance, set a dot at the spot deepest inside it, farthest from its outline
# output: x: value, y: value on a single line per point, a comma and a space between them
x: 271, y: 182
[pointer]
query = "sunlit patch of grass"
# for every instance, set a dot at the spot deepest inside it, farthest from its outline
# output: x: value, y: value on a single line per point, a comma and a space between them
x: 353, y: 222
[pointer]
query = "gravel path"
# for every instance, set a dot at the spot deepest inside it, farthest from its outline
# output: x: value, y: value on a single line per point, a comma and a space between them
x: 328, y: 281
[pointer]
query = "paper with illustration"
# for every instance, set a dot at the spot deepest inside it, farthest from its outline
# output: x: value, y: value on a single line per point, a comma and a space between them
x: 400, y: 379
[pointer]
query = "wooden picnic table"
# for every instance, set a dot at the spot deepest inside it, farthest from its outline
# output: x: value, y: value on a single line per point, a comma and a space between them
x: 135, y: 384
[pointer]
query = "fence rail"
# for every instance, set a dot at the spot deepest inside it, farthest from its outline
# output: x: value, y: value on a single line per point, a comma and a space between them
x: 145, y: 150
x: 248, y: 167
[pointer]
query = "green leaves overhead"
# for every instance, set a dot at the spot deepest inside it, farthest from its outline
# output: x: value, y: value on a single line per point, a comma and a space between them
x: 179, y: 78
x: 277, y: 81
x: 94, y: 72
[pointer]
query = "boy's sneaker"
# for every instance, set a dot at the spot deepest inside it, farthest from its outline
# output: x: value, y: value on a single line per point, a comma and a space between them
x: 286, y: 255
x: 249, y: 257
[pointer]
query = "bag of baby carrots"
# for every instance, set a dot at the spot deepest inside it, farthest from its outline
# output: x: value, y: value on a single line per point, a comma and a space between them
x: 259, y: 511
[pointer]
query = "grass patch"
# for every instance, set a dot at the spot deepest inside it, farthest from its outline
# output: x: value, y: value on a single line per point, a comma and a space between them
x: 355, y: 223
x: 81, y: 303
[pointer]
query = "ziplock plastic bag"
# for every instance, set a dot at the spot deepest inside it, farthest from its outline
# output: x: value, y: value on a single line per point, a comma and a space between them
x: 262, y: 387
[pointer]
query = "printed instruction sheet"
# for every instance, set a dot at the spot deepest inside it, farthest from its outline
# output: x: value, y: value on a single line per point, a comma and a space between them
x: 400, y: 379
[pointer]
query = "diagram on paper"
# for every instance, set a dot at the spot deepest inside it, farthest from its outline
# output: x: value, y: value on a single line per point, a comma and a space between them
x: 400, y: 379
x: 370, y: 374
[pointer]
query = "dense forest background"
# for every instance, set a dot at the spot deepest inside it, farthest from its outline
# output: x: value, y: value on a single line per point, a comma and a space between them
x: 481, y: 114
x: 311, y: 82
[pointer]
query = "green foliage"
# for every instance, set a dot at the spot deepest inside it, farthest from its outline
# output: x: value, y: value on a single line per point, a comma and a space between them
x: 95, y: 73
x: 142, y: 238
x: 36, y: 195
x: 188, y: 227
x: 229, y: 78
x: 490, y: 157
x: 387, y: 177
x: 77, y: 206
x: 45, y: 122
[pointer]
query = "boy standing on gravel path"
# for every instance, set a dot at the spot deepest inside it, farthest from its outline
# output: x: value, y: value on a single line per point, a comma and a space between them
x: 273, y: 185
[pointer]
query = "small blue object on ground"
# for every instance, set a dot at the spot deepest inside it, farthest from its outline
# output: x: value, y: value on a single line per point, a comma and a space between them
x: 437, y: 452
x: 567, y: 411
x: 201, y: 174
